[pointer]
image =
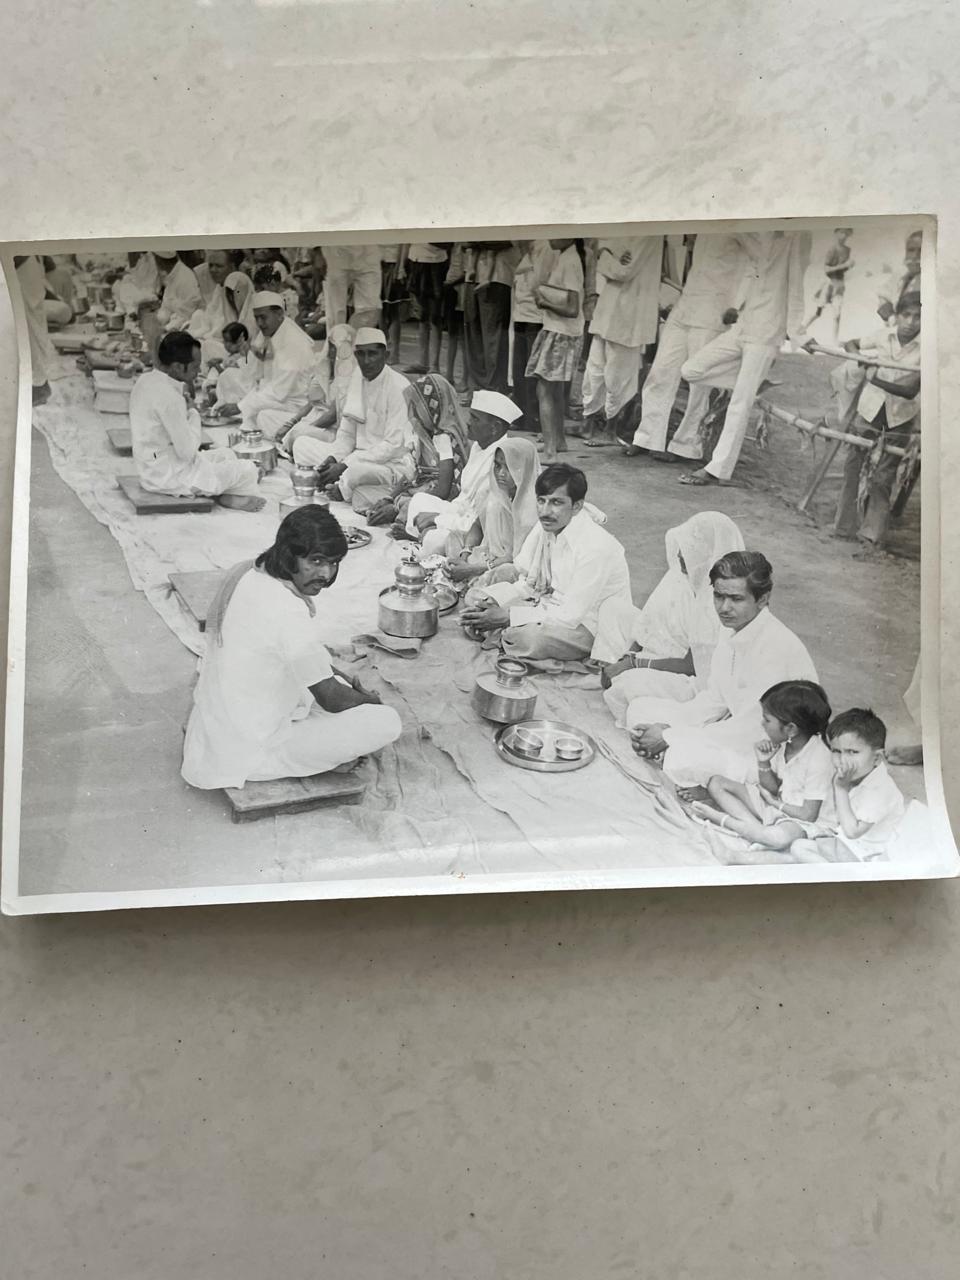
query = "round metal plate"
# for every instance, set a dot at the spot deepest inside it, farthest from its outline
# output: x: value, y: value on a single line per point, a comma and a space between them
x: 547, y: 761
x: 356, y: 537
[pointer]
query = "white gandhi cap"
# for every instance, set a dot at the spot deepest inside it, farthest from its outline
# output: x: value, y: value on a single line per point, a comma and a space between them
x: 370, y: 338
x: 496, y: 404
x: 267, y: 299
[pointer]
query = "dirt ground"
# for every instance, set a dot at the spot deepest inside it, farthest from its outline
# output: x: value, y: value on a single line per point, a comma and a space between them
x: 108, y: 686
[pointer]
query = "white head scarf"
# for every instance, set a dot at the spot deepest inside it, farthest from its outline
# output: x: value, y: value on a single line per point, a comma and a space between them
x: 679, y: 615
x: 242, y: 288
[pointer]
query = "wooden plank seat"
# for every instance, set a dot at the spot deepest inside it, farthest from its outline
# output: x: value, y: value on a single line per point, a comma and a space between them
x: 155, y: 504
x: 196, y: 591
x: 293, y: 795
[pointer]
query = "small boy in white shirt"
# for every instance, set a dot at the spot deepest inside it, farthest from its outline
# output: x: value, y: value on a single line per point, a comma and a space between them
x: 869, y: 804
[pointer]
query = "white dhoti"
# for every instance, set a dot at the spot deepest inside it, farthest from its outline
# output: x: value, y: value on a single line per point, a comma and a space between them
x: 748, y: 363
x: 611, y: 377
x: 639, y: 687
x: 325, y: 739
x: 678, y: 343
x: 724, y: 748
x: 538, y: 640
x: 364, y: 483
x: 233, y: 385
x: 215, y: 472
x: 310, y: 445
x: 58, y: 313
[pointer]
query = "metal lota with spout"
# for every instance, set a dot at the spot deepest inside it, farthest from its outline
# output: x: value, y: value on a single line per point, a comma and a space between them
x: 407, y: 609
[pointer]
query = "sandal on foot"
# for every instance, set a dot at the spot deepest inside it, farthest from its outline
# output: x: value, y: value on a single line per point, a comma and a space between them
x: 699, y: 479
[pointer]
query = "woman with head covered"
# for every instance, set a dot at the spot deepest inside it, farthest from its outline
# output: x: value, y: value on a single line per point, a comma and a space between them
x: 665, y: 648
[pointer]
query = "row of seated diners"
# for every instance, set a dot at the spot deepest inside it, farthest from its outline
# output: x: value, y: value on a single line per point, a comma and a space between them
x: 542, y: 576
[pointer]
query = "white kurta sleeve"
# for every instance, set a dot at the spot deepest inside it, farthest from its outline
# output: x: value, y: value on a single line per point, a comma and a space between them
x: 395, y: 440
x: 182, y: 426
x: 345, y: 442
x: 308, y: 659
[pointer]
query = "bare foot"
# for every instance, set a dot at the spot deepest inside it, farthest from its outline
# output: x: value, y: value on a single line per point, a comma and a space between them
x: 237, y: 502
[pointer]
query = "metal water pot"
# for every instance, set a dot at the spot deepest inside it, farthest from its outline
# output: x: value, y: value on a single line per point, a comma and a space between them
x: 504, y: 694
x: 407, y: 609
x: 304, y: 482
x: 253, y: 448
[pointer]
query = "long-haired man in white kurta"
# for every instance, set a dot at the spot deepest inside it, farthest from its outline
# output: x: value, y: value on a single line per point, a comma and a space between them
x: 269, y: 703
x: 166, y: 434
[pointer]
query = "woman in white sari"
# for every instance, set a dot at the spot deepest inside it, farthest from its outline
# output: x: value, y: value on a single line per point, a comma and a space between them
x: 664, y: 649
x: 510, y: 514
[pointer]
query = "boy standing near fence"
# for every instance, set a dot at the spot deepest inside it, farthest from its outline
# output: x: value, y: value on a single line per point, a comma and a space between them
x: 888, y: 412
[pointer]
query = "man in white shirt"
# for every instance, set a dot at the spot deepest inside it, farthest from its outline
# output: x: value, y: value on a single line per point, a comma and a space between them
x: 166, y: 434
x: 741, y: 358
x: 356, y: 268
x: 624, y: 322
x: 269, y: 703
x: 180, y: 296
x: 445, y: 528
x: 887, y: 410
x: 288, y: 360
x: 567, y: 568
x: 375, y: 446
x: 714, y: 732
x: 717, y: 284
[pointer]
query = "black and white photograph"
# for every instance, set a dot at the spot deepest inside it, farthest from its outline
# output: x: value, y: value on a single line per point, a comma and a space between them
x: 579, y: 560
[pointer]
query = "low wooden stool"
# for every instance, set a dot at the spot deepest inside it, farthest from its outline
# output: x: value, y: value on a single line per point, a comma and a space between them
x: 112, y: 393
x: 157, y: 504
x: 293, y: 795
x: 196, y: 591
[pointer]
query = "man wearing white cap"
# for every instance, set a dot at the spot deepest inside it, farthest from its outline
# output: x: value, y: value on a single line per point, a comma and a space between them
x: 375, y: 446
x: 181, y: 295
x: 288, y: 360
x: 447, y: 527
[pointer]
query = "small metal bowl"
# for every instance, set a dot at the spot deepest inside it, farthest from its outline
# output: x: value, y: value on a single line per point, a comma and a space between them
x: 526, y: 743
x: 568, y: 748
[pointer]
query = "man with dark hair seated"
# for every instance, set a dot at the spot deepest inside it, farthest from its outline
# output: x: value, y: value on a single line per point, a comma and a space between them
x: 166, y: 434
x: 269, y: 703
x: 715, y: 731
x: 567, y: 567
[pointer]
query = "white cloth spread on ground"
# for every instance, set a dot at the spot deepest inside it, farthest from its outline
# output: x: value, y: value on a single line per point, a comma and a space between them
x: 282, y: 387
x: 714, y: 732
x: 254, y: 717
x: 587, y: 566
x: 166, y: 444
x: 181, y: 297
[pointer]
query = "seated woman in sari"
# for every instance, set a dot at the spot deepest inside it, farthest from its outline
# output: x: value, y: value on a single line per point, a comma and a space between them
x: 510, y: 514
x: 440, y: 427
x: 665, y: 648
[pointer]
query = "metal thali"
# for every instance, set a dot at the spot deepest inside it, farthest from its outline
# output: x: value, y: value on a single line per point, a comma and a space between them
x: 558, y: 742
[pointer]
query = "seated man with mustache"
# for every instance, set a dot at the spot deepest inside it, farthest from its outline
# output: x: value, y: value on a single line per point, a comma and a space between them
x: 269, y: 703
